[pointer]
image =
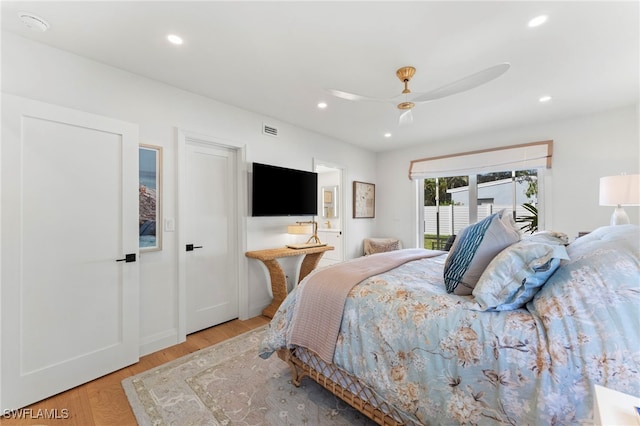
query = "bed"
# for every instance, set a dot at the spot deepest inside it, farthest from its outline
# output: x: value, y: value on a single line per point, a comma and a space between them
x: 525, y: 345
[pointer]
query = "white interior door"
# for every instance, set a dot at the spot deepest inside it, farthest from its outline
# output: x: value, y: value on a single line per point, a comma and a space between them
x: 69, y: 309
x: 332, y: 174
x: 210, y: 222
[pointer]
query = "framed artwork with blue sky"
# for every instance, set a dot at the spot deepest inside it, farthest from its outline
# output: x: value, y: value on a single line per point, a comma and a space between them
x: 150, y: 185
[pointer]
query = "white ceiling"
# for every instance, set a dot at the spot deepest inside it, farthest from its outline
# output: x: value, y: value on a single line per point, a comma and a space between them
x: 279, y: 58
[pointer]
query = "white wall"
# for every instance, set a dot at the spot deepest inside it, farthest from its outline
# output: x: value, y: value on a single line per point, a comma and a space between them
x: 39, y: 72
x: 585, y: 149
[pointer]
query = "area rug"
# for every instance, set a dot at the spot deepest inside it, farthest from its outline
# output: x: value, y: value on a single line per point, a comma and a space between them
x: 229, y: 384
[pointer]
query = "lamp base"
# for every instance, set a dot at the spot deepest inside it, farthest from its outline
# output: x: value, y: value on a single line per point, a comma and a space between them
x: 619, y: 217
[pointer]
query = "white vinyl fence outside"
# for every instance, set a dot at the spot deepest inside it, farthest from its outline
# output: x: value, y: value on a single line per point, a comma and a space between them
x: 454, y: 218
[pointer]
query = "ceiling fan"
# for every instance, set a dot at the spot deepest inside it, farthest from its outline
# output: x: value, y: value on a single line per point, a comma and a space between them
x: 407, y: 100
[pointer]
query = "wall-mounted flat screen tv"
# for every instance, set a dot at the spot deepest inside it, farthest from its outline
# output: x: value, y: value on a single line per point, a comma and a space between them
x: 279, y: 191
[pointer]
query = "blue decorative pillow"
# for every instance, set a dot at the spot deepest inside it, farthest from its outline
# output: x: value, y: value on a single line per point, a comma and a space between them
x: 516, y: 274
x: 474, y: 248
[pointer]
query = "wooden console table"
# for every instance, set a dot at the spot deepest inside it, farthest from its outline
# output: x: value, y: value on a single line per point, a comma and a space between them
x: 311, y: 257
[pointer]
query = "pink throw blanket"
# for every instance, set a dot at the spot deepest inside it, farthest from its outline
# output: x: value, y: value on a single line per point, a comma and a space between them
x: 318, y: 312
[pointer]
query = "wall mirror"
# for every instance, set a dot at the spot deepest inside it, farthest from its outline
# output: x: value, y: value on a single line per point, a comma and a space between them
x: 329, y: 202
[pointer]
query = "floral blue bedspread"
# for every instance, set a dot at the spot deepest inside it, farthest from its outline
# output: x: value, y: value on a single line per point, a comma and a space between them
x: 441, y: 361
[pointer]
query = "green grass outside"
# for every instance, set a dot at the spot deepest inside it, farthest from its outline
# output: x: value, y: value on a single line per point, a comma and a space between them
x: 430, y: 240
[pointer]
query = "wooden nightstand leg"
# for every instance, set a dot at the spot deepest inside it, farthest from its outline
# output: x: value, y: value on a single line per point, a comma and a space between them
x: 278, y: 286
x: 309, y: 264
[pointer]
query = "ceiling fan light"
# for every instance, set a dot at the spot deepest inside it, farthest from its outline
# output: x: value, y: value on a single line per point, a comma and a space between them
x: 406, y: 105
x: 405, y: 118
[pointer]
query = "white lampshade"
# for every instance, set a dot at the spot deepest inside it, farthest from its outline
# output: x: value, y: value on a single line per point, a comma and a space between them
x: 622, y: 190
x: 300, y: 229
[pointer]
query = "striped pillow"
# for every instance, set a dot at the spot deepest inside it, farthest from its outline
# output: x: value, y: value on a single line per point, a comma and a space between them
x: 474, y: 248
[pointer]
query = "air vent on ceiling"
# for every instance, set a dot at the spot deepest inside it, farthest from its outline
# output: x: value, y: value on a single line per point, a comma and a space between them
x: 269, y: 130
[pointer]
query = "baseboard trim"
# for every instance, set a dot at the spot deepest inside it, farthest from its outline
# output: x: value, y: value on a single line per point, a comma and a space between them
x: 158, y: 341
x: 256, y: 310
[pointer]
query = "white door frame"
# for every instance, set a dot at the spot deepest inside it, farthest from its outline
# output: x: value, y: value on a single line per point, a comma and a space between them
x: 183, y: 137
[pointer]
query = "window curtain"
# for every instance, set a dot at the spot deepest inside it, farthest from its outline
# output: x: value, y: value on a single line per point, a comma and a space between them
x: 534, y: 155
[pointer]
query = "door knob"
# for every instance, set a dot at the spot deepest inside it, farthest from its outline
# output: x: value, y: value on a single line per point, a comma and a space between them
x: 190, y: 247
x: 128, y: 258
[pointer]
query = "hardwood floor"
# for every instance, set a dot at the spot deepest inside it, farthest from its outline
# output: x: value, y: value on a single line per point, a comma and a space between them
x: 102, y: 402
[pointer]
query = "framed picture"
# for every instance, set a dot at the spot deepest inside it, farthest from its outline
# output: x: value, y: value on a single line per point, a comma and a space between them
x: 150, y: 186
x: 364, y: 200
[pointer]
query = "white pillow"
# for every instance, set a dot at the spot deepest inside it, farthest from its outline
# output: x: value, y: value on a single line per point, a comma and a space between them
x: 380, y: 245
x: 516, y: 274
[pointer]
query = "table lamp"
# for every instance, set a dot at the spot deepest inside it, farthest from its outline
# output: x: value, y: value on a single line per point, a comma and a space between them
x: 621, y: 190
x: 306, y: 228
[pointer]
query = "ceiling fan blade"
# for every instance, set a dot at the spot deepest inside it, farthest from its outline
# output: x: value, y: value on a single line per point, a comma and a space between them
x: 466, y: 83
x: 406, y: 117
x: 354, y: 97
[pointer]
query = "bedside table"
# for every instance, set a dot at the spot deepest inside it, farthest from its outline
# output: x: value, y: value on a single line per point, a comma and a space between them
x: 275, y: 274
x: 614, y: 408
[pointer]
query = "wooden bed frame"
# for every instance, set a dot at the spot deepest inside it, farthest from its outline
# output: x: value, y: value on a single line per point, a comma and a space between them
x: 350, y: 389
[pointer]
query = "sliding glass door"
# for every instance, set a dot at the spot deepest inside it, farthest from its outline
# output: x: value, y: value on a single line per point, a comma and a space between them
x: 452, y: 203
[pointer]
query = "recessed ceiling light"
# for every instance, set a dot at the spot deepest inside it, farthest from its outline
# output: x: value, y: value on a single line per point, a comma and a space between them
x: 545, y: 98
x: 537, y: 21
x: 387, y: 135
x: 33, y: 22
x: 174, y: 39
x: 322, y: 105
